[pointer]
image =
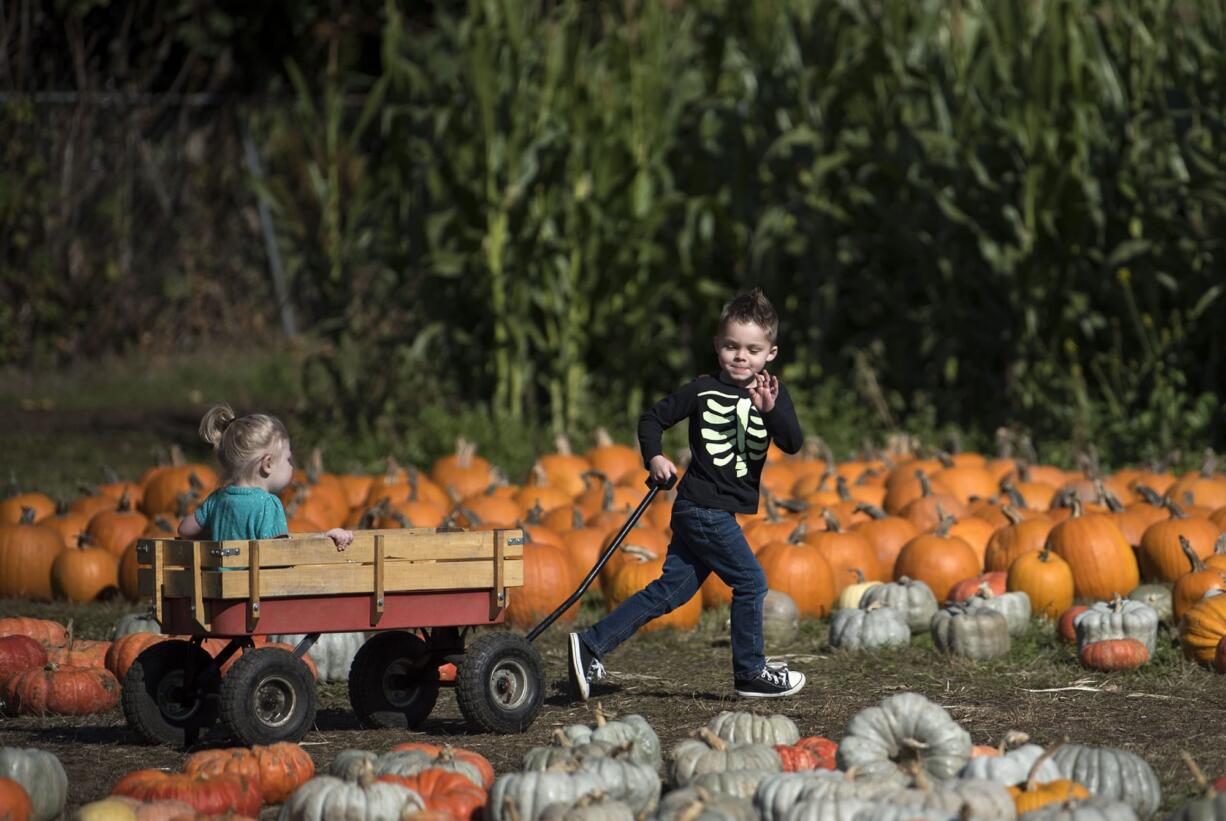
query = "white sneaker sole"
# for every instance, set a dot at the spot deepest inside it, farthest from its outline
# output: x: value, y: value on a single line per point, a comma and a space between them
x: 578, y: 679
x: 790, y: 692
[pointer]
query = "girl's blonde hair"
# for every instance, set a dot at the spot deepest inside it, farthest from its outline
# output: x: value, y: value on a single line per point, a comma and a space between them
x: 241, y: 441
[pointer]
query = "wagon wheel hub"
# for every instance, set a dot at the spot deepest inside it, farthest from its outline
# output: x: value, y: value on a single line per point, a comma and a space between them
x: 273, y: 701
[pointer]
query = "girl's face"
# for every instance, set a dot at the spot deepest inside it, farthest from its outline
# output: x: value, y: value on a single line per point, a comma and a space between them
x: 743, y: 349
x: 277, y: 467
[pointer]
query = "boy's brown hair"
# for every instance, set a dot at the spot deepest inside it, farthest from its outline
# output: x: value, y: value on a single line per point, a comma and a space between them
x: 751, y: 307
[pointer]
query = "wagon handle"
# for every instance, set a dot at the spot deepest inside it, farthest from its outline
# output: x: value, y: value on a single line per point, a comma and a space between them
x: 654, y: 488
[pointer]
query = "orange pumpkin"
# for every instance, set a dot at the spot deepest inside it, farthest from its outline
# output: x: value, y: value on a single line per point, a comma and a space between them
x: 15, y: 804
x: 799, y: 568
x: 610, y: 459
x: 18, y: 654
x: 1066, y: 627
x: 938, y: 560
x: 209, y: 794
x: 994, y: 581
x: 1113, y: 654
x: 279, y: 768
x: 45, y: 632
x: 851, y: 557
x: 13, y: 509
x: 639, y: 569
x: 1161, y: 553
x: 1192, y: 586
x: 84, y: 574
x: 549, y: 577
x: 926, y: 511
x: 55, y: 690
x: 1046, y: 579
x: 462, y: 473
x: 487, y: 511
x: 124, y: 650
x: 1203, y: 625
x: 561, y: 470
x: 1019, y: 537
x: 444, y: 790
x: 887, y: 534
x: 446, y: 752
x: 648, y: 538
x: 176, y: 489
x: 27, y: 551
x: 966, y: 481
x: 71, y: 526
x: 1102, y: 562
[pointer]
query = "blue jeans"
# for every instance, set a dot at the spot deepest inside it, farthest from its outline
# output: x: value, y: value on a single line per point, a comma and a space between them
x: 705, y: 540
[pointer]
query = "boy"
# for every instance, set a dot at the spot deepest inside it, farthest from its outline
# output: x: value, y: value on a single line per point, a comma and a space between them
x: 734, y: 414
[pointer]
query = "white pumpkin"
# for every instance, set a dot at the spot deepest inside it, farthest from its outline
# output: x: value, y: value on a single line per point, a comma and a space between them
x: 331, y: 652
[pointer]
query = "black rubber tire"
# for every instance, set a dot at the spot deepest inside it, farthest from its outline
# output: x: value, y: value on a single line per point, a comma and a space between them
x: 153, y: 701
x: 268, y: 696
x: 393, y: 681
x: 499, y: 683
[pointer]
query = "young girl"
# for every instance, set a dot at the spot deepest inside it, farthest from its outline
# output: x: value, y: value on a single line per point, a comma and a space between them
x: 256, y: 463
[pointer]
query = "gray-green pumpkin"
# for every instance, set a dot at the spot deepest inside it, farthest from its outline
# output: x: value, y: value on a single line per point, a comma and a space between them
x: 1211, y: 807
x: 776, y: 794
x: 629, y: 728
x: 637, y: 785
x: 1012, y: 767
x: 1093, y: 808
x: 327, y: 797
x: 982, y: 799
x: 593, y: 807
x: 332, y: 652
x: 696, y: 804
x: 41, y: 774
x: 1157, y: 596
x: 351, y: 764
x: 904, y: 731
x: 1015, y: 607
x: 526, y: 795
x: 737, y: 783
x: 780, y: 618
x: 970, y: 632
x: 563, y: 751
x: 708, y: 753
x: 1118, y: 619
x: 868, y: 628
x: 741, y: 727
x: 135, y: 623
x: 1108, y: 772
x: 911, y: 597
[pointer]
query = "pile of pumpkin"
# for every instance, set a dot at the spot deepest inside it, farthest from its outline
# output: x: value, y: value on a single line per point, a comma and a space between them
x: 824, y: 526
x: 46, y: 670
x: 904, y: 758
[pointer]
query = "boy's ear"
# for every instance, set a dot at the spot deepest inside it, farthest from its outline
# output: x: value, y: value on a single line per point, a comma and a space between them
x: 773, y: 353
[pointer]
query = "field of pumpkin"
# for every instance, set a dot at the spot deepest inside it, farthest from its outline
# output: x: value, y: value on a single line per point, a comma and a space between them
x: 960, y: 590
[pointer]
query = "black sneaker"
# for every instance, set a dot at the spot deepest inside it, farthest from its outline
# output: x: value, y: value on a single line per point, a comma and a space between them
x: 772, y: 681
x: 582, y: 667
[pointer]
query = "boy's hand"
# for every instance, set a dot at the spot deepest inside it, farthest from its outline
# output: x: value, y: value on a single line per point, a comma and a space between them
x: 661, y: 468
x: 764, y: 391
x: 342, y: 537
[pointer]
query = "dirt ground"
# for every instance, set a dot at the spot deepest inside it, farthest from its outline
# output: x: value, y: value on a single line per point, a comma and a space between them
x: 680, y: 681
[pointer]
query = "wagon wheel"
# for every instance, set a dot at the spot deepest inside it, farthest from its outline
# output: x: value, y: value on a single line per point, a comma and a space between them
x: 170, y: 693
x: 499, y: 683
x: 268, y: 696
x: 393, y: 681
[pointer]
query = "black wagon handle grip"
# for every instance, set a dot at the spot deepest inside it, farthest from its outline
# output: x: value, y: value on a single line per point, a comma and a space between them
x: 654, y: 487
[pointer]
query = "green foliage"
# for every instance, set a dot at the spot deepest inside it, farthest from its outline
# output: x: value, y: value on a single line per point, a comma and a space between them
x: 972, y: 215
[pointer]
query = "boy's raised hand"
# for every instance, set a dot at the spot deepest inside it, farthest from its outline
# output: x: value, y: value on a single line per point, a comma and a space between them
x: 764, y: 391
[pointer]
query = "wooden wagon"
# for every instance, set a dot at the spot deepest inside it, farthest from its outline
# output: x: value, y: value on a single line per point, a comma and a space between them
x: 422, y: 589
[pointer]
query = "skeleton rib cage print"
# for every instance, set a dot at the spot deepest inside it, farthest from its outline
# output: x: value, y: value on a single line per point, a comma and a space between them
x: 737, y: 433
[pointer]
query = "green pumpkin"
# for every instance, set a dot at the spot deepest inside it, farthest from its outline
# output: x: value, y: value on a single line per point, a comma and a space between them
x: 135, y: 623
x: 526, y: 795
x: 912, y: 598
x: 41, y: 774
x: 711, y: 754
x: 633, y: 729
x: 563, y: 752
x: 742, y: 727
x: 868, y: 628
x: 1015, y: 607
x: 1157, y: 596
x: 1112, y: 773
x: 736, y: 783
x: 905, y: 730
x: 332, y: 652
x: 780, y: 618
x: 327, y: 797
x: 694, y: 803
x: 593, y: 807
x: 1118, y: 619
x: 971, y: 632
x: 637, y: 785
x: 1212, y: 807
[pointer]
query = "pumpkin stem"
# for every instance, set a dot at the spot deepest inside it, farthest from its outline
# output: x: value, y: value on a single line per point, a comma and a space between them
x: 509, y: 810
x: 693, y: 810
x: 859, y: 575
x: 639, y: 554
x: 1177, y: 512
x: 1107, y: 497
x: 984, y: 591
x: 1209, y: 467
x: 713, y: 741
x: 27, y: 516
x: 1186, y: 547
x: 176, y: 456
x: 946, y: 522
x: 1032, y: 777
x: 1013, y: 738
x: 1010, y: 513
x: 561, y: 444
x: 1077, y: 508
x: 1201, y: 780
x: 832, y: 522
x: 561, y: 739
x: 797, y: 536
x: 1219, y: 546
x: 925, y: 485
x: 840, y: 485
x: 601, y: 718
x: 873, y: 511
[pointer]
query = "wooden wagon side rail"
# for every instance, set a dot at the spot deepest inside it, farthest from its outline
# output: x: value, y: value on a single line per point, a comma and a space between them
x: 376, y: 564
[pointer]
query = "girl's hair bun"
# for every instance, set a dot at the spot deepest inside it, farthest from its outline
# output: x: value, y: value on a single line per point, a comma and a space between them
x: 214, y: 423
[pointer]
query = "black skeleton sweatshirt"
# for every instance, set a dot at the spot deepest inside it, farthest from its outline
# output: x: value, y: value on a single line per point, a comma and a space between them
x: 728, y: 440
